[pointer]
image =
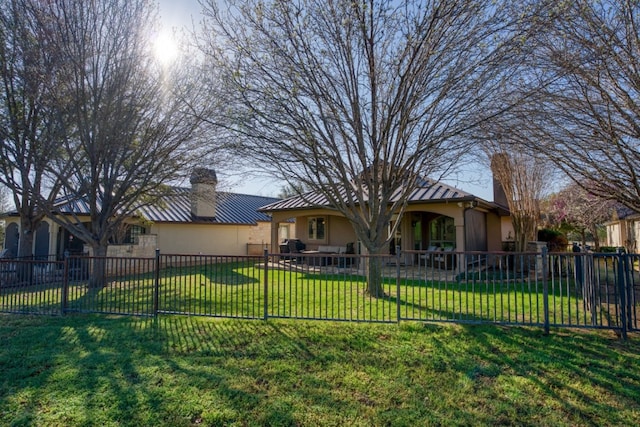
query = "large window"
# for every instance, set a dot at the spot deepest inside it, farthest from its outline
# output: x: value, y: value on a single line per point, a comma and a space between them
x: 133, y: 232
x: 442, y: 232
x: 317, y: 228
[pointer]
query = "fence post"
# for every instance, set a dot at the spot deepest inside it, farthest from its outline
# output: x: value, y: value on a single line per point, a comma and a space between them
x: 65, y: 287
x: 590, y: 283
x: 622, y: 292
x: 398, y: 284
x: 545, y: 288
x: 156, y: 285
x: 266, y: 284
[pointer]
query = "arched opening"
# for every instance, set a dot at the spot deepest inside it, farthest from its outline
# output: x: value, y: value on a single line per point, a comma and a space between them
x: 431, y: 231
x: 42, y: 241
x: 11, y: 239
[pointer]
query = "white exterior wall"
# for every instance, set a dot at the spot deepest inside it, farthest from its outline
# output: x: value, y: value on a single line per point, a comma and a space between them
x: 614, y: 237
x: 260, y: 234
x: 624, y: 233
x: 208, y: 239
x: 506, y: 229
x: 188, y: 239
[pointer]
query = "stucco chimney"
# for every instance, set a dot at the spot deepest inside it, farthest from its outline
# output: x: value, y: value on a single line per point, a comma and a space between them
x: 203, y: 192
x: 499, y: 196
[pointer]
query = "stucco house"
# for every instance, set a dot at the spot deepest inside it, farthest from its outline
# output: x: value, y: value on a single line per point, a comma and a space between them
x: 195, y: 220
x: 437, y: 216
x: 624, y: 229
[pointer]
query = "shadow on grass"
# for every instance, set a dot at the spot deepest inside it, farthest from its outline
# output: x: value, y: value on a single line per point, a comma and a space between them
x: 548, y: 361
x: 142, y: 372
x: 90, y: 370
x: 223, y: 274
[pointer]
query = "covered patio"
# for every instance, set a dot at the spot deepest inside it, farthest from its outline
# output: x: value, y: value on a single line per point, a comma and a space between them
x: 438, y: 218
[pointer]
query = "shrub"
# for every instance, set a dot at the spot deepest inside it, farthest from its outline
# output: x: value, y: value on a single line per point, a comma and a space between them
x: 611, y: 249
x: 556, y: 240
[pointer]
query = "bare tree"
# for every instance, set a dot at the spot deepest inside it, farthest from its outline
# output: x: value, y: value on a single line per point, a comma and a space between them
x: 587, y: 115
x: 293, y: 190
x: 358, y: 100
x: 127, y: 125
x: 29, y: 127
x: 3, y: 208
x: 524, y: 179
x: 3, y: 198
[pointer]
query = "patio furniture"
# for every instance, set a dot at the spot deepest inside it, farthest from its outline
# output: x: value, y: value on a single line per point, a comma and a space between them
x: 443, y: 259
x: 321, y: 261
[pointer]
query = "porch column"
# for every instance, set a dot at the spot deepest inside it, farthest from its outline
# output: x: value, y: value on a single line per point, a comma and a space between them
x: 458, y: 221
x: 275, y: 248
x: 53, y: 239
x: 276, y: 219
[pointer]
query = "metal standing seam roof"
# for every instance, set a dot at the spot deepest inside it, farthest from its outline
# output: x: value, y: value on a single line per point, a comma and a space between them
x: 231, y: 208
x: 426, y: 192
x: 624, y: 212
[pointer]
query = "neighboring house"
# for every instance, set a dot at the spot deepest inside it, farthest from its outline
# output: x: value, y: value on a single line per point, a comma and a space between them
x: 437, y: 215
x: 624, y: 229
x: 196, y: 220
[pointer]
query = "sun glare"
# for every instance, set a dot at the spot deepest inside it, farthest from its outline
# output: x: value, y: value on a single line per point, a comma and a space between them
x: 165, y: 48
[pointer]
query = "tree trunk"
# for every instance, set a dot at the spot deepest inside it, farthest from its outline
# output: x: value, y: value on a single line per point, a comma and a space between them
x: 374, y: 277
x: 524, y: 227
x: 24, y: 270
x: 520, y: 238
x: 596, y: 239
x: 98, y: 276
x: 373, y: 272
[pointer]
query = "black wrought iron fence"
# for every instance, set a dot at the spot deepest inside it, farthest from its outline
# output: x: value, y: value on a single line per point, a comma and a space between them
x: 110, y: 285
x: 202, y: 285
x: 31, y: 287
x: 546, y: 290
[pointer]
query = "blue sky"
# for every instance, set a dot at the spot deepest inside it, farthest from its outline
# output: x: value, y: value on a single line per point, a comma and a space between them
x: 178, y: 12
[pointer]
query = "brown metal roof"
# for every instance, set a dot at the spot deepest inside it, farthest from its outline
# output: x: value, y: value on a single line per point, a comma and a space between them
x: 427, y: 191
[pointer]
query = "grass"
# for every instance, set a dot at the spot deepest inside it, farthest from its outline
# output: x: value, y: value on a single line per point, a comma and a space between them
x: 236, y: 289
x: 184, y: 371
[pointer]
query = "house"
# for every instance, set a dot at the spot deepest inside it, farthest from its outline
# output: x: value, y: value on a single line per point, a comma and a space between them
x: 195, y: 220
x: 437, y: 216
x: 624, y: 229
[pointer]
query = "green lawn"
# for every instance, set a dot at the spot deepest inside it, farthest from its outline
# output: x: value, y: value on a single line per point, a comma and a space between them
x: 238, y: 290
x: 183, y: 371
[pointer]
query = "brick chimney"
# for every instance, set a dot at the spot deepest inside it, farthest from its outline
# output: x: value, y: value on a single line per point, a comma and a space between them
x: 499, y: 196
x: 203, y: 192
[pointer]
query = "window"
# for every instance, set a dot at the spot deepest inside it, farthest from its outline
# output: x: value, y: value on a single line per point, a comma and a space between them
x: 133, y: 232
x: 317, y: 226
x: 442, y: 232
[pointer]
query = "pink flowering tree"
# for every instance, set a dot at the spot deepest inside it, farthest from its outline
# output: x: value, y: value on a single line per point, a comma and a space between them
x: 580, y: 211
